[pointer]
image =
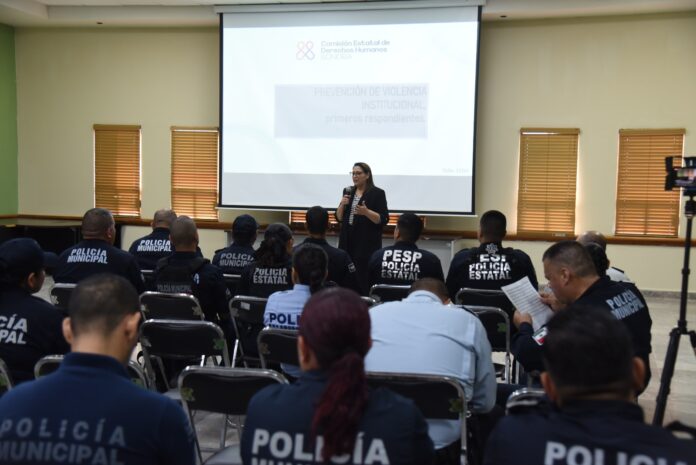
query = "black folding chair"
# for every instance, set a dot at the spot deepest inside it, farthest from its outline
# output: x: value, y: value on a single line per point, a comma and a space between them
x: 497, y: 325
x: 164, y: 306
x: 525, y: 400
x: 149, y: 277
x: 60, y: 294
x: 50, y: 363
x: 232, y: 282
x: 180, y: 340
x: 5, y: 378
x: 437, y: 397
x: 247, y: 319
x: 389, y: 292
x: 223, y: 390
x: 277, y: 346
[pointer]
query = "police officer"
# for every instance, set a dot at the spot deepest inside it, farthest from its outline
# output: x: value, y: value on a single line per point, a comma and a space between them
x: 573, y: 279
x: 89, y: 411
x: 149, y: 249
x: 271, y: 270
x: 185, y: 272
x: 97, y: 254
x: 240, y: 252
x: 341, y: 267
x: 404, y: 262
x: 490, y: 265
x: 592, y: 380
x: 30, y: 328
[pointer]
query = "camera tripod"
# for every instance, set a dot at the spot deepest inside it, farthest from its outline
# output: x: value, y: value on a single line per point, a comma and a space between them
x: 680, y: 329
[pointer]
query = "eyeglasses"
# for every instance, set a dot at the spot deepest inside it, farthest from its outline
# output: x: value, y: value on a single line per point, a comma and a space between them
x: 356, y: 173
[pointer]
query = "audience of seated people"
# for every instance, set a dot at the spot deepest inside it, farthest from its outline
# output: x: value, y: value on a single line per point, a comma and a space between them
x: 341, y: 268
x: 573, y: 279
x: 89, y: 411
x: 271, y: 269
x: 96, y: 253
x: 592, y: 379
x: 584, y: 354
x: 240, y: 253
x: 30, y: 327
x: 329, y: 415
x: 615, y: 274
x: 423, y: 334
x: 490, y: 265
x: 403, y: 262
x: 148, y: 250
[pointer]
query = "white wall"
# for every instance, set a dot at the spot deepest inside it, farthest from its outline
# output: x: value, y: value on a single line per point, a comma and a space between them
x: 599, y: 75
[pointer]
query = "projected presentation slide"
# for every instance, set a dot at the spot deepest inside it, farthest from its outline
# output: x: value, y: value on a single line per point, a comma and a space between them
x: 305, y: 95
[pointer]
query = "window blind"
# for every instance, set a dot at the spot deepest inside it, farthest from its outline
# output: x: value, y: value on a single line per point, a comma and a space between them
x: 195, y: 172
x: 547, y: 181
x: 117, y: 169
x: 643, y: 207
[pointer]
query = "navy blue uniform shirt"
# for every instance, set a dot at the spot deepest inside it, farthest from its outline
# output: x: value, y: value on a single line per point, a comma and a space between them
x: 278, y: 427
x: 341, y: 268
x: 89, y: 411
x: 149, y: 249
x: 92, y: 256
x: 403, y: 263
x: 208, y: 286
x: 30, y: 328
x: 488, y: 266
x: 262, y: 281
x: 233, y: 259
x: 622, y: 299
x: 598, y: 432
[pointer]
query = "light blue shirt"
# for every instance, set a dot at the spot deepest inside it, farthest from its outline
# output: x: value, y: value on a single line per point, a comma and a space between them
x: 421, y: 335
x: 284, y: 308
x: 283, y: 311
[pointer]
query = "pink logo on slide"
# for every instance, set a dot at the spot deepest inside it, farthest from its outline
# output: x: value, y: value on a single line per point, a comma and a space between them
x: 304, y: 50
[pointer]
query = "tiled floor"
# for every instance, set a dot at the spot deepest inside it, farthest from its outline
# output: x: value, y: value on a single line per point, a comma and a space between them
x: 682, y: 399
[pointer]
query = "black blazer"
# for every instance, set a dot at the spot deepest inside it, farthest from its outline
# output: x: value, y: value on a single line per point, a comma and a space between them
x: 364, y: 237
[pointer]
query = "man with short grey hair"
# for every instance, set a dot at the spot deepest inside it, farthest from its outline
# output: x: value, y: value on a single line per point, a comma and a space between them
x: 97, y: 254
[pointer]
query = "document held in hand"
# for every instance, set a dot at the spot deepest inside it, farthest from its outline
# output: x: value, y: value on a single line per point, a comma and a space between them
x: 526, y: 299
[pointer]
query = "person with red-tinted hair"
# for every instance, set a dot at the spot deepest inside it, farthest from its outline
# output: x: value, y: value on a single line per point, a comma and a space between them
x: 330, y: 414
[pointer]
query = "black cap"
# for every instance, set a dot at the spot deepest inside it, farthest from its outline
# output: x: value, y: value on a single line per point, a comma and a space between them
x: 245, y: 224
x: 22, y: 256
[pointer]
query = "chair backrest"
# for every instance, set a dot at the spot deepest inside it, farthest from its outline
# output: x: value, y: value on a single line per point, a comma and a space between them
x: 50, y: 363
x: 247, y: 318
x: 484, y: 297
x: 389, y: 292
x: 524, y: 400
x: 278, y: 346
x: 60, y: 294
x: 180, y: 340
x: 47, y: 365
x: 369, y: 300
x: 437, y: 397
x: 5, y: 378
x: 222, y: 390
x: 183, y: 339
x: 232, y: 282
x: 164, y: 306
x: 149, y: 277
x: 497, y: 325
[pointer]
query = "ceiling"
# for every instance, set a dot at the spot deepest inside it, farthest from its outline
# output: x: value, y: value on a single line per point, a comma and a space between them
x: 183, y: 13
